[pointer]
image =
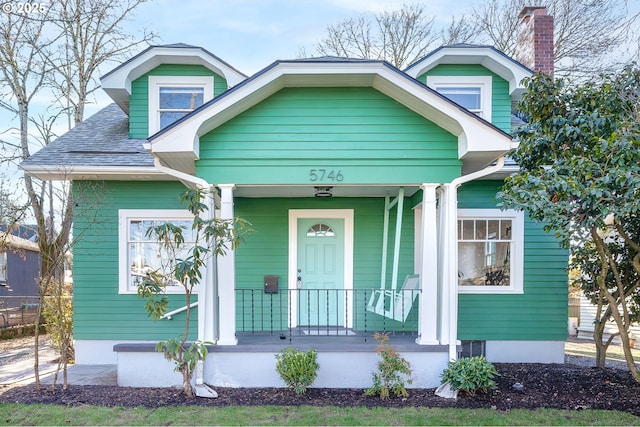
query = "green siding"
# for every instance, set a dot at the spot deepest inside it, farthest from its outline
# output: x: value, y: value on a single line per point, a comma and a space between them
x: 100, y: 313
x: 360, y: 133
x: 265, y: 252
x: 540, y: 313
x: 500, y: 99
x: 138, y: 102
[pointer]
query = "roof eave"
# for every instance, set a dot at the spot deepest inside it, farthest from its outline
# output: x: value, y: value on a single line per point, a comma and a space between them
x: 489, y: 57
x: 79, y: 173
x: 117, y: 83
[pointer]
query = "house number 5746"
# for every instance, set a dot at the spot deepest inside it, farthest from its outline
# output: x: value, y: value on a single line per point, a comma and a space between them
x: 323, y: 175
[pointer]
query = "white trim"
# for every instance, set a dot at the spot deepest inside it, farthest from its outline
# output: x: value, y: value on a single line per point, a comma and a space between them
x: 347, y: 216
x: 516, y: 279
x: 510, y: 70
x: 483, y: 82
x: 124, y: 218
x: 155, y: 82
x: 478, y: 142
x: 117, y: 83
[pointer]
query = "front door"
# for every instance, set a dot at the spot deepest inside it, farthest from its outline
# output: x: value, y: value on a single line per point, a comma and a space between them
x: 320, y: 272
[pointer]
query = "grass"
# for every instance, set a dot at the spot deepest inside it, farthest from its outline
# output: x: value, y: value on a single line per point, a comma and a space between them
x: 17, y: 414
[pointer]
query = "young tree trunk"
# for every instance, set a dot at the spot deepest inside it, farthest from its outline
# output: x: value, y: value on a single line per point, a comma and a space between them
x: 615, y: 302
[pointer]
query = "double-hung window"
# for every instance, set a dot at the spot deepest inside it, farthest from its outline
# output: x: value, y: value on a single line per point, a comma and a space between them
x: 490, y: 251
x: 470, y: 92
x: 141, y: 254
x: 171, y: 98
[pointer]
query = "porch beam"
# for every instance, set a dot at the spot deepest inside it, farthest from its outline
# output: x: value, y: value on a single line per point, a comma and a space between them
x: 226, y: 276
x: 428, y: 309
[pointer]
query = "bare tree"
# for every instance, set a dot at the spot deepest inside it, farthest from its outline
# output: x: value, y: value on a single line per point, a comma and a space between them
x: 460, y: 30
x: 399, y: 36
x: 91, y: 35
x: 585, y: 31
x: 82, y: 36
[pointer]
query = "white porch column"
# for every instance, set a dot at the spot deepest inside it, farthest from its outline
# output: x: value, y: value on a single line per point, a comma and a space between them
x: 450, y: 271
x: 206, y: 299
x: 428, y: 312
x: 227, y: 277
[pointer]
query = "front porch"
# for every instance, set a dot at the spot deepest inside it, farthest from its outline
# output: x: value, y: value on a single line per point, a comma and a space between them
x: 345, y: 361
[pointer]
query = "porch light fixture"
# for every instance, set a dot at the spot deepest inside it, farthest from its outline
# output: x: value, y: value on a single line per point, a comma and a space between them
x: 323, y: 191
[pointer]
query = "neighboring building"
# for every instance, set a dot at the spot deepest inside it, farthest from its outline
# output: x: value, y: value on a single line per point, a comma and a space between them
x: 372, y: 198
x: 19, y: 273
x: 19, y: 266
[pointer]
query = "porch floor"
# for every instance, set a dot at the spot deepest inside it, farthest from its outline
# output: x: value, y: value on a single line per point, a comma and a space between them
x: 338, y: 341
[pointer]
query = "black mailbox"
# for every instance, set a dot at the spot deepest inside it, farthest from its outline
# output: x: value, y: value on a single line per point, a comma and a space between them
x: 271, y: 284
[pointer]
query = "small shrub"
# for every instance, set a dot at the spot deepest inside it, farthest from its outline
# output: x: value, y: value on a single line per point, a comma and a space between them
x: 297, y: 369
x: 470, y: 374
x: 393, y: 371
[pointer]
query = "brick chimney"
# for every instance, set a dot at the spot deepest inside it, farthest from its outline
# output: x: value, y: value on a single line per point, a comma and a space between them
x: 535, y: 41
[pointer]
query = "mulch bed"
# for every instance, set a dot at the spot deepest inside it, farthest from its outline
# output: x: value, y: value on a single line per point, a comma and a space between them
x: 561, y: 386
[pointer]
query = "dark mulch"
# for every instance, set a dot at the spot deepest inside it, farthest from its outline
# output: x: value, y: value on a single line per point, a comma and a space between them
x: 550, y: 386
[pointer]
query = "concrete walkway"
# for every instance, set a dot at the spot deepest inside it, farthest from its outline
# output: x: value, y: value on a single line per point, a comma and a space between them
x: 16, y: 367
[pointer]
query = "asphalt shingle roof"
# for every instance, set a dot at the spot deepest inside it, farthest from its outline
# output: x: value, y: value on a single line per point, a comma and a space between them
x: 101, y: 140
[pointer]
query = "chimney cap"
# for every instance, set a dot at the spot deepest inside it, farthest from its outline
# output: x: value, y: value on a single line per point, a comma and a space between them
x: 531, y: 10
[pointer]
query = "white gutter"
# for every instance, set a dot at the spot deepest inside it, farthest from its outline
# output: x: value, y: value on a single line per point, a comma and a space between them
x: 450, y: 275
x: 206, y: 318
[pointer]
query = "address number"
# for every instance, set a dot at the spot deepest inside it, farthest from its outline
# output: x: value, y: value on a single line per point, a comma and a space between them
x: 322, y: 175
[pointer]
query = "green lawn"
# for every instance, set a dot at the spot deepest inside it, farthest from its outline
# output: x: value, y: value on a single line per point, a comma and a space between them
x: 16, y: 414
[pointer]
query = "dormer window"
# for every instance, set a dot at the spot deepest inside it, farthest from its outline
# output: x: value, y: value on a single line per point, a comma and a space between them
x: 171, y: 98
x: 470, y: 92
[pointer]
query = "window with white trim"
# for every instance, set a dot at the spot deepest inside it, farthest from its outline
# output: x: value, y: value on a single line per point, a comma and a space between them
x: 140, y: 253
x: 171, y: 98
x: 470, y: 92
x: 490, y: 251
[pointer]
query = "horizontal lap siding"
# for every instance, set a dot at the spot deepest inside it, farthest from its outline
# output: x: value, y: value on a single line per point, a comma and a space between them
x: 265, y: 250
x: 139, y: 100
x: 100, y: 313
x: 538, y: 314
x: 360, y: 132
x: 500, y: 98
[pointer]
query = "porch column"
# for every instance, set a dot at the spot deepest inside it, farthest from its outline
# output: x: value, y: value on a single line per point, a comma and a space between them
x: 450, y: 271
x: 227, y: 277
x: 428, y: 311
x: 206, y: 300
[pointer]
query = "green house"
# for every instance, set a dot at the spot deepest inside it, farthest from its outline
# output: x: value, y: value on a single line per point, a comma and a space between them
x: 371, y: 195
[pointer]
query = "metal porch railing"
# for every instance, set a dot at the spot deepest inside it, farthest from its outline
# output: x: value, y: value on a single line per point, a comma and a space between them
x: 322, y: 312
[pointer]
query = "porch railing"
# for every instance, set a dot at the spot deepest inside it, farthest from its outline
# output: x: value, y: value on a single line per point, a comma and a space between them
x: 324, y: 312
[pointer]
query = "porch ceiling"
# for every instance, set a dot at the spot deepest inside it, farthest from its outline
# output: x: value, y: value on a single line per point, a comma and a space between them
x: 336, y: 190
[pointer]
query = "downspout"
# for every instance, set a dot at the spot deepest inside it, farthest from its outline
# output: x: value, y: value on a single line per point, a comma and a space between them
x: 451, y: 239
x: 205, y: 312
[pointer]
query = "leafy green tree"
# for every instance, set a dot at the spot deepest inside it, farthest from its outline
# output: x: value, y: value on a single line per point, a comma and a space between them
x: 579, y: 159
x: 186, y: 261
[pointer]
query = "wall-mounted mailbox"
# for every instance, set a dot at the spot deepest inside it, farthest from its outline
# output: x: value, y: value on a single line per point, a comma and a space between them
x: 270, y: 284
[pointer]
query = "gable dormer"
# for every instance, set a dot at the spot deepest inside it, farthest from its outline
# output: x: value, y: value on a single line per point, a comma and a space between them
x: 164, y: 83
x: 480, y: 78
